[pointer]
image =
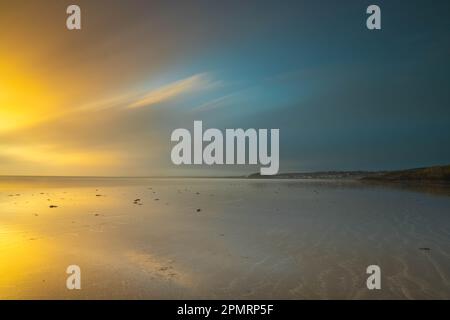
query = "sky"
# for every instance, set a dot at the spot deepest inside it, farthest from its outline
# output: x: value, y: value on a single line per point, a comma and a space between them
x: 104, y: 100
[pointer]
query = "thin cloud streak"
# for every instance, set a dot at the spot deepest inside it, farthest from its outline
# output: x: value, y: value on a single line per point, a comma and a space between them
x: 139, y: 99
x: 189, y: 85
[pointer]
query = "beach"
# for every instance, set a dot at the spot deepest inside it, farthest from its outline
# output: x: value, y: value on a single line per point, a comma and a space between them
x: 205, y: 238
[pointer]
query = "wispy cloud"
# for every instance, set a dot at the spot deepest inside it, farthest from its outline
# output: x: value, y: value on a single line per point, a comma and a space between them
x: 189, y: 85
x: 140, y: 99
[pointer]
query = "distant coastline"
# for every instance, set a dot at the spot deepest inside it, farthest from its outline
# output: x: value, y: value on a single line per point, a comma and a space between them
x: 426, y: 174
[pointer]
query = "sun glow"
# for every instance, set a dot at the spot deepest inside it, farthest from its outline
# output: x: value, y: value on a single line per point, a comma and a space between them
x: 27, y: 104
x: 24, y: 101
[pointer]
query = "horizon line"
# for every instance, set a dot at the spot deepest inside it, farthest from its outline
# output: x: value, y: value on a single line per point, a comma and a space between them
x: 207, y: 176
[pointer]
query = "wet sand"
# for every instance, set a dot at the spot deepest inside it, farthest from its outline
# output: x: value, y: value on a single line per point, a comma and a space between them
x: 220, y: 238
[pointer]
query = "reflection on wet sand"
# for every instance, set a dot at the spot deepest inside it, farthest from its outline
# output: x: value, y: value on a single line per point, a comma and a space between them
x: 221, y: 238
x: 17, y: 258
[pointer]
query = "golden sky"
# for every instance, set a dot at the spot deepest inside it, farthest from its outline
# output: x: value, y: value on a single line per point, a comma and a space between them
x: 75, y: 102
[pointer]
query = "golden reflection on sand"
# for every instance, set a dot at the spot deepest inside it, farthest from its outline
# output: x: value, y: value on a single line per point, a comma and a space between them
x: 21, y: 254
